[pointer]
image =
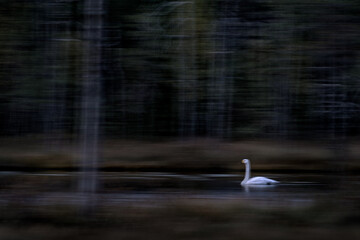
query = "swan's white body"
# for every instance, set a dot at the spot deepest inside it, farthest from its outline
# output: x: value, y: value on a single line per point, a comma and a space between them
x: 255, y: 180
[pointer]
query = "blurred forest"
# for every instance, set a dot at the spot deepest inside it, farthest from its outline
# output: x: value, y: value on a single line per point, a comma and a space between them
x: 155, y: 69
x: 224, y: 69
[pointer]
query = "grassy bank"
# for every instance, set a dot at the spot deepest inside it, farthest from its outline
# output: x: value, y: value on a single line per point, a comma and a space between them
x: 196, y: 155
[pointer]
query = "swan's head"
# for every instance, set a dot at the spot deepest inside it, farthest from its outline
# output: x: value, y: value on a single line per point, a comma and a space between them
x: 245, y: 160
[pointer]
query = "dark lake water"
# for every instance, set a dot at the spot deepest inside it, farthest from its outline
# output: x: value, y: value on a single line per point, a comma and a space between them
x: 164, y: 205
x: 156, y: 188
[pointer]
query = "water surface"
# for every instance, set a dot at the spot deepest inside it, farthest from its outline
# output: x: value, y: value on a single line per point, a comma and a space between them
x: 156, y: 188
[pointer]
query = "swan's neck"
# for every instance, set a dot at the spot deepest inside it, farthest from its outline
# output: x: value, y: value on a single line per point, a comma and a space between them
x: 247, y: 172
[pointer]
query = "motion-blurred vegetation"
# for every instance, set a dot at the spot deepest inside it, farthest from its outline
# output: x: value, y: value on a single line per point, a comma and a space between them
x: 223, y: 69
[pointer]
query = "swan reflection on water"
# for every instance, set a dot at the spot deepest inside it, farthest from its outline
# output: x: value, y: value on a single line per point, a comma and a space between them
x: 263, y: 188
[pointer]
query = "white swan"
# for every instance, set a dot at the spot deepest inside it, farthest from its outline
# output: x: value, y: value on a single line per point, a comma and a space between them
x: 255, y: 180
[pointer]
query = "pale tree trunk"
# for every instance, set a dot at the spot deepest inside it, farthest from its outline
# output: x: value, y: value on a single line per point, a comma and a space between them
x: 91, y: 99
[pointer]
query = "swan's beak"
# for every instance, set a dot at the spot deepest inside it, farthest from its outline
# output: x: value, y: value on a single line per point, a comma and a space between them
x: 243, y: 161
